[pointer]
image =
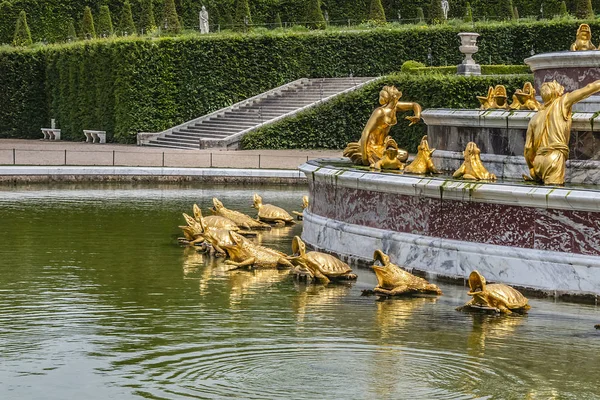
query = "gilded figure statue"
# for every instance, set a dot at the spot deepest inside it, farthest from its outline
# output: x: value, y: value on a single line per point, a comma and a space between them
x: 495, y: 297
x: 496, y: 98
x: 472, y: 168
x: 394, y: 281
x: 583, y: 40
x: 242, y: 220
x: 422, y: 164
x: 243, y: 253
x: 549, y: 132
x: 525, y: 99
x: 316, y: 265
x: 374, y: 139
x: 272, y: 214
x: 300, y: 215
x: 390, y: 157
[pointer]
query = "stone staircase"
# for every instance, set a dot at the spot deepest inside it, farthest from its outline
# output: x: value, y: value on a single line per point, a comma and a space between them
x: 226, y: 127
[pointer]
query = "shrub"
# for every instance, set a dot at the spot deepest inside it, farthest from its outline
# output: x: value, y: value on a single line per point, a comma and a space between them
x: 584, y: 10
x: 277, y: 23
x: 563, y: 9
x: 126, y: 24
x: 376, y: 12
x: 436, y: 14
x: 147, y: 22
x: 508, y: 10
x: 334, y: 124
x: 22, y: 34
x: 242, y: 19
x: 516, y: 13
x: 409, y: 65
x: 468, y: 13
x: 170, y: 22
x: 314, y: 17
x: 104, y: 26
x: 88, y: 31
x: 420, y: 16
x: 72, y: 34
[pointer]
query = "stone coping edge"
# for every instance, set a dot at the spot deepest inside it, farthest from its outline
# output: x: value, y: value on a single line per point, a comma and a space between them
x: 450, y: 189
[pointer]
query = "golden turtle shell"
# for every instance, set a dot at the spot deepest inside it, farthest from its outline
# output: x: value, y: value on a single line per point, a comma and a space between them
x: 215, y: 221
x: 270, y: 212
x: 512, y: 298
x: 327, y: 264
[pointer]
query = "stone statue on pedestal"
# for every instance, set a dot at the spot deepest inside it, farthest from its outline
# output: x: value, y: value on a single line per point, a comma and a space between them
x: 204, y: 21
x: 445, y: 8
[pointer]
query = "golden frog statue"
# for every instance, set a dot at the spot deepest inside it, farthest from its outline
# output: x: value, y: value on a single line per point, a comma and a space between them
x: 496, y: 98
x: 472, y: 168
x: 495, y: 297
x: 271, y: 213
x: 300, y: 215
x: 372, y: 144
x: 394, y: 281
x: 314, y: 264
x: 524, y: 99
x: 240, y: 219
x: 583, y: 39
x: 242, y: 253
x: 390, y: 157
x: 422, y: 164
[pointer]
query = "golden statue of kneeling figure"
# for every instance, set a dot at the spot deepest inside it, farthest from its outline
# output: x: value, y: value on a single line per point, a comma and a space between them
x: 583, y: 40
x: 549, y: 132
x: 375, y: 138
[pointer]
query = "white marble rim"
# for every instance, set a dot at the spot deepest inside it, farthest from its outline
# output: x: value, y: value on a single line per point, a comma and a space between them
x: 564, y: 59
x: 146, y: 171
x: 527, y: 268
x: 450, y: 189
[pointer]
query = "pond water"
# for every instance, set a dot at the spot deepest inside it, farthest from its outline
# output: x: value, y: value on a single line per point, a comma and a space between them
x: 98, y: 301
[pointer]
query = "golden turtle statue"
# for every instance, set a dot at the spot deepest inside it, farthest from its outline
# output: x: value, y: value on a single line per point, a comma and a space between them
x: 314, y: 264
x: 240, y: 219
x: 422, y: 164
x: 300, y: 215
x: 271, y: 213
x: 242, y: 253
x: 394, y: 281
x: 214, y: 221
x: 472, y: 168
x: 494, y: 297
x: 196, y: 232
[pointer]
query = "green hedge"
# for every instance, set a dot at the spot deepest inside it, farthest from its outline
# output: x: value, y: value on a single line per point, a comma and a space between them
x: 340, y: 121
x: 129, y: 85
x: 49, y: 19
x: 485, y: 70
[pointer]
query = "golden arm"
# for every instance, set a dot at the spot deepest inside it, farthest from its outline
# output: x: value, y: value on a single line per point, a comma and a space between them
x: 415, y: 107
x: 577, y: 95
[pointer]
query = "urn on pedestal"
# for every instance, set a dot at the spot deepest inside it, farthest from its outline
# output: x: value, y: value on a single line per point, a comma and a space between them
x: 468, y: 47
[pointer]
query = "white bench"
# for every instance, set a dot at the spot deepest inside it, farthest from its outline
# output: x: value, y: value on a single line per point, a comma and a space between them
x: 51, y: 134
x: 95, y: 136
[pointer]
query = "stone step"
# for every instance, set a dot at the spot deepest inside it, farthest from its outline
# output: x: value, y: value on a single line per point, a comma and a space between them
x: 197, y: 135
x: 221, y: 130
x: 153, y: 143
x: 177, y: 140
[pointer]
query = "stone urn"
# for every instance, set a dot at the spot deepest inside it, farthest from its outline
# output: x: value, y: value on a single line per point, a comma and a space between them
x: 468, y: 46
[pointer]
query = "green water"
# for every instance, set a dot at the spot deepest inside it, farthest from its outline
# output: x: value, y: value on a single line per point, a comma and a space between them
x: 97, y: 301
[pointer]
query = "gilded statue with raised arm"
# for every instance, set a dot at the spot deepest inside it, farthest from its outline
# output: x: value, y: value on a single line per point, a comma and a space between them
x: 549, y: 132
x: 372, y: 144
x: 583, y: 40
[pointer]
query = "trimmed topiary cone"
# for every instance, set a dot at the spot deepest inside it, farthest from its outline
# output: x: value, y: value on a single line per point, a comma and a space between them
x: 376, y: 12
x: 126, y: 25
x: 171, y: 22
x: 22, y: 33
x: 315, y: 17
x: 88, y: 31
x: 436, y: 14
x: 104, y: 26
x: 584, y: 10
x: 147, y: 21
x: 468, y: 13
x: 242, y: 20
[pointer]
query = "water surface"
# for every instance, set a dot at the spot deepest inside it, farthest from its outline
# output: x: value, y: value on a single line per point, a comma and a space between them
x: 98, y: 301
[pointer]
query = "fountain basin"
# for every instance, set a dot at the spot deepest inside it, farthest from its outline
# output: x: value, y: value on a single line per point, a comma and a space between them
x: 501, y: 137
x: 572, y: 69
x: 541, y: 238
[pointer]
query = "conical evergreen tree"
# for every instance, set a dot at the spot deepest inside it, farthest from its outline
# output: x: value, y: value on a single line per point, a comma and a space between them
x: 563, y: 9
x: 22, y: 34
x: 147, y: 21
x: 277, y: 23
x: 468, y: 13
x: 88, y: 31
x: 516, y: 13
x: 104, y: 27
x: 584, y: 10
x: 314, y: 17
x: 377, y: 13
x: 420, y: 15
x: 508, y: 11
x: 170, y: 22
x: 72, y: 34
x: 126, y: 24
x: 436, y: 14
x: 242, y: 19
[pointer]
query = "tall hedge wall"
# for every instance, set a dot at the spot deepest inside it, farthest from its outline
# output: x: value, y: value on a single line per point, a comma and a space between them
x: 129, y: 85
x: 336, y: 123
x: 48, y: 19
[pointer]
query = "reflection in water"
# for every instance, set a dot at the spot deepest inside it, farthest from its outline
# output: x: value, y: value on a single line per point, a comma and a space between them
x: 492, y: 326
x: 393, y: 314
x: 316, y: 298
